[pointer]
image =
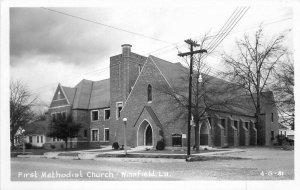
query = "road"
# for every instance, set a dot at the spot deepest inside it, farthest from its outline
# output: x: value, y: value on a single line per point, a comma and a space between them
x: 256, y: 164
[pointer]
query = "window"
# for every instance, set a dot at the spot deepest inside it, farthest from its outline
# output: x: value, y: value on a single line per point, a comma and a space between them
x: 37, y: 139
x: 42, y: 139
x: 119, y: 106
x: 106, y: 134
x: 272, y: 135
x: 247, y: 125
x: 106, y: 114
x: 53, y: 139
x: 59, y: 95
x: 95, y: 115
x: 85, y: 133
x: 149, y: 90
x: 272, y: 117
x: 95, y: 135
x: 30, y: 139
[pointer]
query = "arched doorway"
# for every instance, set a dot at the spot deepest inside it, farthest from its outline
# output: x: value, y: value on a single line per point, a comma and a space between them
x: 204, y: 134
x: 145, y: 134
x: 148, y: 136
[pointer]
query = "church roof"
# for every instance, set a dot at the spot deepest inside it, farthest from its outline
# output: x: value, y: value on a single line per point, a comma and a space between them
x: 89, y: 94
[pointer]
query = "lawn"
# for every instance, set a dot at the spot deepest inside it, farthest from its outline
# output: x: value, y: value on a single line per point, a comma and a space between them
x: 41, y: 151
x: 175, y: 151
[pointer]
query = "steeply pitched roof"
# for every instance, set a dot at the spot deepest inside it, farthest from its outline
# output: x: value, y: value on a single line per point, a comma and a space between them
x: 89, y: 94
x: 70, y: 93
x: 100, y: 96
x: 176, y: 76
x: 173, y: 72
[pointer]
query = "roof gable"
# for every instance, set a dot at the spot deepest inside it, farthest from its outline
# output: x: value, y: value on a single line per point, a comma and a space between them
x: 60, y: 98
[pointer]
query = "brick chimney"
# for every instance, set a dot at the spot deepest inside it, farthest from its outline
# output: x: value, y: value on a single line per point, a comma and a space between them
x: 126, y: 51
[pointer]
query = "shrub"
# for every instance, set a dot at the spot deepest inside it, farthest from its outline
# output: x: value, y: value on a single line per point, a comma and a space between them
x: 115, y: 146
x: 160, y: 145
x: 28, y: 145
x: 52, y: 146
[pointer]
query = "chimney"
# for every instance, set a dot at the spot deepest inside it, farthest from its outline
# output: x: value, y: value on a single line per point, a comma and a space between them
x: 126, y: 49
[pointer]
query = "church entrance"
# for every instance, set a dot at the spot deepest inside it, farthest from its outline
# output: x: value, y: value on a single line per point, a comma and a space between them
x: 145, y: 134
x: 148, y: 136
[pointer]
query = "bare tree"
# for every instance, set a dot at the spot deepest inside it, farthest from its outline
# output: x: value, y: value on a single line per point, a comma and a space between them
x: 252, y: 66
x: 208, y: 93
x: 284, y: 90
x: 21, y: 103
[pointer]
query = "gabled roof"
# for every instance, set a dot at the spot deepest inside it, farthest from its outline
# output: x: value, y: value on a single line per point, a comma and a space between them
x: 173, y: 72
x: 89, y: 94
x: 100, y: 96
x: 70, y: 93
x: 176, y: 76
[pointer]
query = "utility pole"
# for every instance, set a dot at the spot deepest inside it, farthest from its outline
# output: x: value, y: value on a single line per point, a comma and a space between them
x: 191, y: 54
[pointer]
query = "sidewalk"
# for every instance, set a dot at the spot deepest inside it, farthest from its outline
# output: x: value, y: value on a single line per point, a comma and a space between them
x: 93, y: 154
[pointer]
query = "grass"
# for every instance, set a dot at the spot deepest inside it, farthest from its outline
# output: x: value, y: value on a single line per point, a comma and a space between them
x: 175, y: 151
x: 41, y: 151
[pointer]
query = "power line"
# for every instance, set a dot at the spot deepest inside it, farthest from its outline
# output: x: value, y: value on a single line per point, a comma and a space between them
x: 172, y: 46
x: 224, y: 30
x: 106, y: 25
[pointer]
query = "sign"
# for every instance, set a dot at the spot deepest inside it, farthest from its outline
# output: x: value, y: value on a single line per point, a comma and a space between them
x: 184, y: 136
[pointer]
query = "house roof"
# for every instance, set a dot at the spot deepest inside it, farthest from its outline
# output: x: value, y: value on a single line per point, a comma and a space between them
x: 37, y: 128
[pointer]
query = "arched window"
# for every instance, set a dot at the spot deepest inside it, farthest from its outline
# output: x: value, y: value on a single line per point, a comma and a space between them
x: 149, y: 93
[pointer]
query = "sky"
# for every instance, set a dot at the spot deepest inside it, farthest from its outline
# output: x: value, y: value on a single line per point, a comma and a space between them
x: 47, y: 47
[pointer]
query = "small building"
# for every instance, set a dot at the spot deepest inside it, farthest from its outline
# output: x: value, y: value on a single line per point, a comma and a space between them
x: 36, y: 133
x: 286, y: 132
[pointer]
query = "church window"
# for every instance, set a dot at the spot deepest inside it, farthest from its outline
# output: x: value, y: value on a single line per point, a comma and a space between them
x: 119, y: 107
x: 149, y: 90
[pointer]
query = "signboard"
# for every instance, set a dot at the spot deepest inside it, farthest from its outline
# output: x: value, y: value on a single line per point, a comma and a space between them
x: 176, y: 140
x: 184, y: 136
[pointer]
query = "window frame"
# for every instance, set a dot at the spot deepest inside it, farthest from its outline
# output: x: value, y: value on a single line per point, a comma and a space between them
x: 92, y: 136
x: 104, y: 135
x: 104, y: 113
x: 272, y: 117
x: 149, y: 93
x: 118, y: 113
x: 92, y: 118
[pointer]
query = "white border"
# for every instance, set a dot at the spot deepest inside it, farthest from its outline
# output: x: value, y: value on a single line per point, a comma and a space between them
x: 92, y: 115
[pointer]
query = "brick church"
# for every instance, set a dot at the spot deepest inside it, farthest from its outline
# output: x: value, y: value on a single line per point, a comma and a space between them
x: 132, y: 92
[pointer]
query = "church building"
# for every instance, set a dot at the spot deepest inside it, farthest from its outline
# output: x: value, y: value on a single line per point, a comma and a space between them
x: 133, y: 91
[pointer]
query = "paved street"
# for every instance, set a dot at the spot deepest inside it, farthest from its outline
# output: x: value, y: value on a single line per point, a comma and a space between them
x: 256, y: 164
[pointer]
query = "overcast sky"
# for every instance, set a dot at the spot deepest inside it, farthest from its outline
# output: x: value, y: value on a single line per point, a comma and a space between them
x: 47, y: 48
